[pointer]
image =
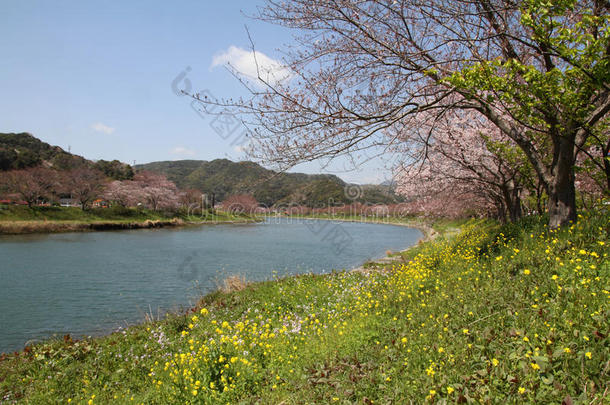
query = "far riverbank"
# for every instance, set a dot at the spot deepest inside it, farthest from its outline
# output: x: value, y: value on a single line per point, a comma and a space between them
x: 19, y: 220
x: 422, y: 225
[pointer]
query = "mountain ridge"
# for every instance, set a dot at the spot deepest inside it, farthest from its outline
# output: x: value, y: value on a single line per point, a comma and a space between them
x: 23, y: 150
x: 224, y: 177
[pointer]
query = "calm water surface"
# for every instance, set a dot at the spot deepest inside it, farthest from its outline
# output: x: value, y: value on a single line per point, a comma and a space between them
x: 92, y: 283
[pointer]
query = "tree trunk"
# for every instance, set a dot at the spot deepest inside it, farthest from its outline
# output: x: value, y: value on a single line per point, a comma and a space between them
x: 514, y: 209
x: 606, y: 160
x: 501, y: 210
x: 512, y: 201
x: 539, y: 206
x: 561, y: 189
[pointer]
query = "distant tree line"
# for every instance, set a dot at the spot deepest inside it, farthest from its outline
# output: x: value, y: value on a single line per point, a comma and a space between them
x: 83, y: 185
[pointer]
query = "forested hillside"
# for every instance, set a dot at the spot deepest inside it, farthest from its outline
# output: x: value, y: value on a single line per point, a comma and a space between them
x: 22, y: 150
x: 220, y: 176
x: 224, y: 177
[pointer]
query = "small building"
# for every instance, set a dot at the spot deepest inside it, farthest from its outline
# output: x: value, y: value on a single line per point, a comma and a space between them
x: 99, y: 203
x: 68, y: 202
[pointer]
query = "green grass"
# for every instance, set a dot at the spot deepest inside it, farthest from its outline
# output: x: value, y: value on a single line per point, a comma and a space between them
x: 22, y: 219
x: 24, y: 213
x: 363, y: 218
x: 440, y: 225
x: 494, y: 314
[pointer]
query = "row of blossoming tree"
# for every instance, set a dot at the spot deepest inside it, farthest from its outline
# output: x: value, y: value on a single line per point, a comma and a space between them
x: 84, y: 185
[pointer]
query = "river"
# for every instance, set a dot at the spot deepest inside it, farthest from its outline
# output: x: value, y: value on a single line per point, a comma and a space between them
x: 93, y: 283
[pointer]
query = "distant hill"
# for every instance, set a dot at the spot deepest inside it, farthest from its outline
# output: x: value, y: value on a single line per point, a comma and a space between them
x: 224, y: 177
x: 221, y: 176
x: 23, y: 150
x: 20, y: 151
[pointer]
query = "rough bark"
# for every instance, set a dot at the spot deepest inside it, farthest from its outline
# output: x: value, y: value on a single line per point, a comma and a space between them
x: 560, y: 188
x: 513, y: 203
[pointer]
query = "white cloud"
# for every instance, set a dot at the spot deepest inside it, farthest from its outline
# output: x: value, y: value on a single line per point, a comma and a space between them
x: 99, y: 127
x: 180, y: 150
x: 252, y: 65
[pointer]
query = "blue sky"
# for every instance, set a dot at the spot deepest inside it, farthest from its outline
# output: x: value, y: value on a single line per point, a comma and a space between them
x: 95, y: 77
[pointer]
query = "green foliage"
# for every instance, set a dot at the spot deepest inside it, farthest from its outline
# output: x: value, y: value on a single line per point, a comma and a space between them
x: 20, y: 151
x: 224, y: 178
x: 115, y: 170
x: 533, y: 92
x: 318, y: 193
x: 496, y: 314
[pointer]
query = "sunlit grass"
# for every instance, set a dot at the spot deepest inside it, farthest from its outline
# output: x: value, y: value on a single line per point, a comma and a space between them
x: 499, y: 314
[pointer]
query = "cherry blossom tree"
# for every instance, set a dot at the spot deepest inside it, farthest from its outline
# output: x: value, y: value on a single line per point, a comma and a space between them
x: 192, y: 198
x: 240, y: 204
x: 84, y: 184
x: 31, y: 184
x: 149, y: 189
x: 537, y: 70
x: 123, y: 193
x: 156, y: 191
x: 461, y: 154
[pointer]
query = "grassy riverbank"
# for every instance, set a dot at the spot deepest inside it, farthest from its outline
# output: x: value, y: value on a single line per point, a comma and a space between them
x: 430, y: 228
x: 22, y: 219
x: 498, y: 314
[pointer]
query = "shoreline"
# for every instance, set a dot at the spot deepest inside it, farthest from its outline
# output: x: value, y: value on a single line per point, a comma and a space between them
x: 428, y: 234
x: 50, y: 227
